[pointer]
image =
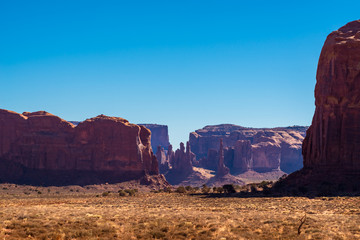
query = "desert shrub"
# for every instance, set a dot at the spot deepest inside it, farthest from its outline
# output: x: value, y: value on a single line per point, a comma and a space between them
x: 229, y: 188
x: 168, y: 189
x: 105, y: 194
x: 218, y: 190
x: 266, y: 190
x: 131, y: 192
x: 205, y: 189
x: 39, y: 192
x: 122, y: 193
x: 180, y: 189
x: 189, y: 188
x: 264, y: 184
x: 253, y: 188
x: 196, y: 189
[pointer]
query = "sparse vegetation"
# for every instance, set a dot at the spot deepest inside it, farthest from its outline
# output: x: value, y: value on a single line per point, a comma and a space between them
x: 122, y: 193
x: 205, y: 189
x: 105, y: 194
x: 229, y: 188
x: 180, y: 189
x: 72, y: 215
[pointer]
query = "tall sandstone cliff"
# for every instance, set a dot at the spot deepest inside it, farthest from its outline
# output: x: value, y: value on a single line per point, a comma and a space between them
x: 41, y: 148
x: 333, y: 139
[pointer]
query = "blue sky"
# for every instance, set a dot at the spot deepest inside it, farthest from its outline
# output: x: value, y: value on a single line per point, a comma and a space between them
x: 185, y: 64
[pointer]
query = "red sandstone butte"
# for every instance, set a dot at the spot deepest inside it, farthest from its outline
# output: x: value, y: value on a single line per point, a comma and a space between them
x: 332, y: 142
x: 41, y: 148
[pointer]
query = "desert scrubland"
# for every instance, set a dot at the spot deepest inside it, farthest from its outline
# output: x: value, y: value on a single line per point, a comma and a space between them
x: 80, y: 213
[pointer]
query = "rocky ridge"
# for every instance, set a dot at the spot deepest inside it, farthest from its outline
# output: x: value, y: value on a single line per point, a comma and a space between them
x: 41, y: 148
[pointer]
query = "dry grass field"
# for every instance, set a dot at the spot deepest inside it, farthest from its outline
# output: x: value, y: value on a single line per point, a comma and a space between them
x: 78, y: 213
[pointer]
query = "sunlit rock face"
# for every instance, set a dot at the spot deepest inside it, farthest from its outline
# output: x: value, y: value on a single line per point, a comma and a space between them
x: 332, y: 142
x: 258, y: 149
x: 41, y: 148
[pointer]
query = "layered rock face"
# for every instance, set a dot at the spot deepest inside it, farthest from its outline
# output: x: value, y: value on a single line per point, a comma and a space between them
x: 159, y: 135
x: 40, y: 148
x: 246, y: 149
x: 333, y: 139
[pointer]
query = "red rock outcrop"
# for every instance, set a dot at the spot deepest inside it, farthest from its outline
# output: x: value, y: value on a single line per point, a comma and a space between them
x: 46, y: 149
x: 266, y: 149
x: 170, y: 156
x: 182, y: 161
x: 181, y: 164
x: 333, y: 139
x: 159, y: 135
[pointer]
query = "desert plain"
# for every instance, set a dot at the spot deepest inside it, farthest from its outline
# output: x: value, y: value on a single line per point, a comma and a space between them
x: 74, y: 212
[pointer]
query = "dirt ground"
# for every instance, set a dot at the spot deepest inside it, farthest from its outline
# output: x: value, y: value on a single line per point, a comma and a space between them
x: 78, y: 213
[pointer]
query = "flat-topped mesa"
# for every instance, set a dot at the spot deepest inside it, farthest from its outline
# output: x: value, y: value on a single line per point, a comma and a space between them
x: 332, y: 141
x: 258, y: 149
x: 41, y: 148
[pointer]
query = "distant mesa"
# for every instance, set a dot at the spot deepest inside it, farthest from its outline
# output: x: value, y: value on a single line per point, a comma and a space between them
x: 42, y: 149
x: 331, y: 148
x: 244, y: 149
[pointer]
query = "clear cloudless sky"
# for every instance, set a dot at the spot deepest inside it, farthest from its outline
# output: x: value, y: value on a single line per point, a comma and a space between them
x: 186, y: 64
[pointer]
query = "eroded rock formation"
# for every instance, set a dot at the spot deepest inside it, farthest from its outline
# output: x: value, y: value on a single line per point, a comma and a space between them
x: 245, y: 149
x: 182, y: 162
x: 41, y: 148
x: 333, y: 139
x: 221, y: 170
x: 159, y: 135
x: 163, y: 162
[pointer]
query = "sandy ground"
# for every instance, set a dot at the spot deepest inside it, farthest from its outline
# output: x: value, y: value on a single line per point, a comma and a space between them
x: 59, y: 213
